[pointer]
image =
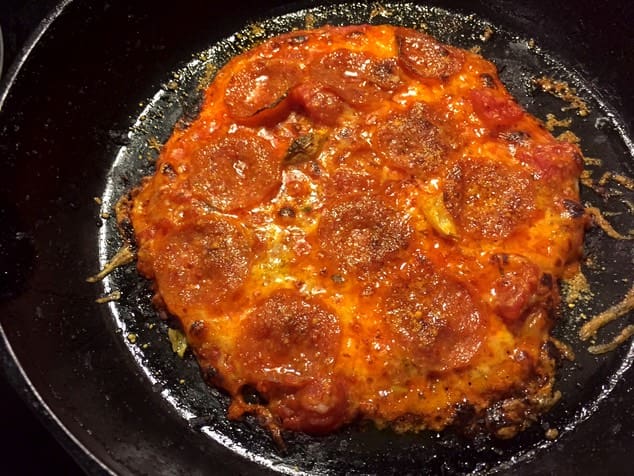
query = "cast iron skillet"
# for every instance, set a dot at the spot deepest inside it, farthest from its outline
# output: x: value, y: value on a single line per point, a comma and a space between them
x: 70, y: 130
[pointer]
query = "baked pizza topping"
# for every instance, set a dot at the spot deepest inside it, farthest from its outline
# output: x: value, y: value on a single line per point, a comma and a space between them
x: 362, y: 223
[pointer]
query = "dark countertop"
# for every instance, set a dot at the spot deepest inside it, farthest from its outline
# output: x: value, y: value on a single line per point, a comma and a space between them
x: 27, y: 447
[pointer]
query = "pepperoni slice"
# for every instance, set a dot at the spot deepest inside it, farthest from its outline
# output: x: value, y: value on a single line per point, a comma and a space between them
x: 409, y: 141
x: 423, y: 56
x: 362, y: 233
x: 494, y: 108
x: 260, y: 87
x: 317, y: 102
x: 435, y: 319
x: 240, y: 172
x: 487, y: 199
x: 202, y: 263
x: 288, y: 340
x: 361, y: 79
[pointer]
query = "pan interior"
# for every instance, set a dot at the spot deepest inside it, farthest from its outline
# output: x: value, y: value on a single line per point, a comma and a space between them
x: 583, y: 383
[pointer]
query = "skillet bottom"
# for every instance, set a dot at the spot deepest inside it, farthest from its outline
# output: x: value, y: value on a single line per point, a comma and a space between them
x: 584, y: 383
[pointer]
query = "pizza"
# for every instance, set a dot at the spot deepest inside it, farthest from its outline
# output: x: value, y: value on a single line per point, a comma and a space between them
x: 363, y: 225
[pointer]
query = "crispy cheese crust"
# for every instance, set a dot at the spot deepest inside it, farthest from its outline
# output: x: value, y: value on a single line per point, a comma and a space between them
x: 363, y: 224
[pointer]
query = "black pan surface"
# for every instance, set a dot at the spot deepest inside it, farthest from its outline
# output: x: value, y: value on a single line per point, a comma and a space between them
x: 78, y: 121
